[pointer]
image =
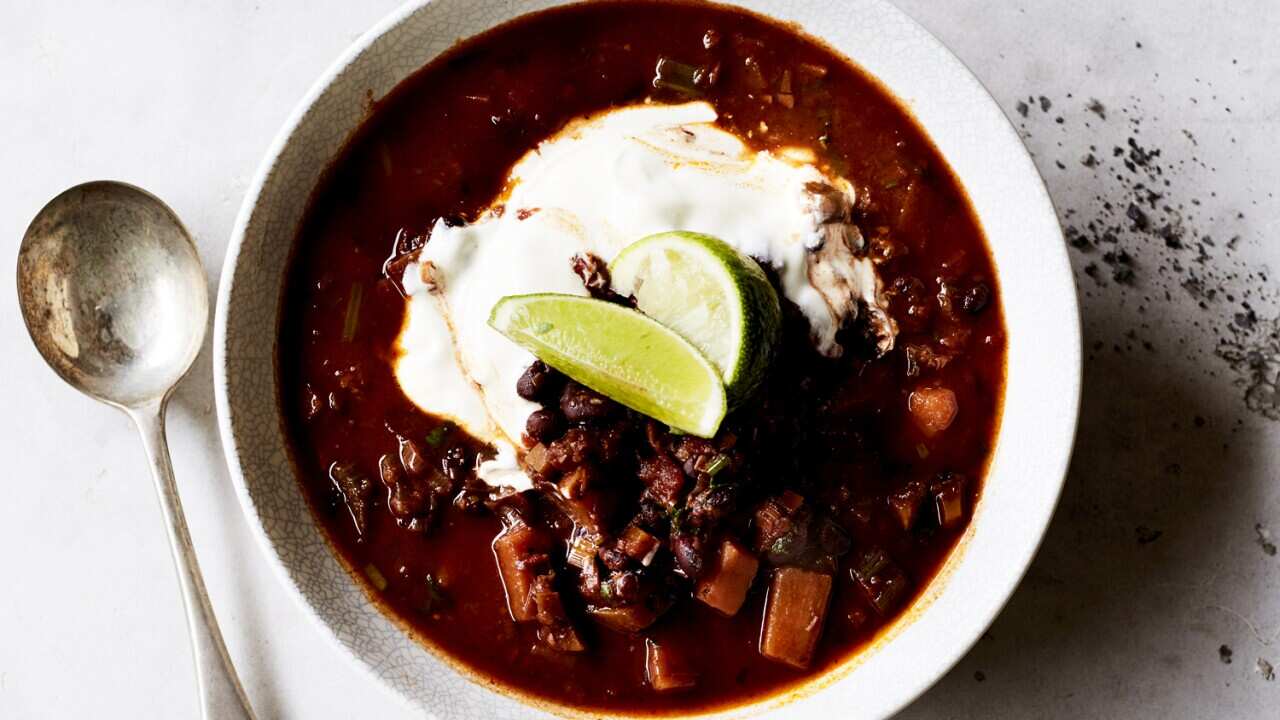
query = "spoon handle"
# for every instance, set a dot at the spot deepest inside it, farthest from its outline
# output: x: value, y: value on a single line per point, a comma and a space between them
x: 221, y: 695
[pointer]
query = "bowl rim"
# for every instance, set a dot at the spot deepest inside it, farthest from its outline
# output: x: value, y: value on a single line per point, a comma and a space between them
x: 978, y: 622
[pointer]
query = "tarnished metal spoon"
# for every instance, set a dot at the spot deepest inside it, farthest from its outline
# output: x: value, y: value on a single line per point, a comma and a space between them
x: 114, y: 296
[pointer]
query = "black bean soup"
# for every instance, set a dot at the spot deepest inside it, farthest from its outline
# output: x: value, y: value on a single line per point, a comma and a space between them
x: 647, y: 572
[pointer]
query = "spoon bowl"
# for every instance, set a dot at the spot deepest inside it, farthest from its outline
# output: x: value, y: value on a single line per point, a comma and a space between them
x: 113, y: 292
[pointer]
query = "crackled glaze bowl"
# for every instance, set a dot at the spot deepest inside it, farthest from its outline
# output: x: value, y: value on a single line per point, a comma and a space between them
x: 1033, y: 443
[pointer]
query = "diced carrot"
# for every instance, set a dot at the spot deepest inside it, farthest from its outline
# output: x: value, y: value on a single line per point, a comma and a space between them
x: 666, y: 669
x: 639, y: 545
x: 725, y: 584
x: 510, y: 549
x: 933, y: 409
x: 537, y: 459
x: 793, y: 615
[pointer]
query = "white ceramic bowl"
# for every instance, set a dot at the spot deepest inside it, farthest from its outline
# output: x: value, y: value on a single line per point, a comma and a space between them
x: 1041, y: 400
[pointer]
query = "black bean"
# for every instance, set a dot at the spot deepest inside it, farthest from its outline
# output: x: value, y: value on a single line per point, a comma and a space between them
x: 687, y: 550
x: 539, y: 383
x: 626, y: 587
x: 580, y: 404
x: 544, y: 425
x: 613, y: 558
x: 710, y: 507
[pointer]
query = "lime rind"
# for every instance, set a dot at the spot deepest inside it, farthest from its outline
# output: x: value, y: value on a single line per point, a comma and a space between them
x: 711, y: 294
x: 619, y: 353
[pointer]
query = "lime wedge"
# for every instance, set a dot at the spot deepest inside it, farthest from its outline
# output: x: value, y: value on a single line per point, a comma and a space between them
x: 619, y: 353
x: 712, y: 295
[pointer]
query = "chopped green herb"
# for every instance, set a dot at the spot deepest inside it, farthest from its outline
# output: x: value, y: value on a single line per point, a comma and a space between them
x: 352, y: 318
x: 718, y: 463
x: 437, y: 436
x: 677, y: 517
x: 376, y: 577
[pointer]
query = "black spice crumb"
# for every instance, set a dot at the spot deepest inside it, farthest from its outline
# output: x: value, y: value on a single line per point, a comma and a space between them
x: 1023, y: 109
x: 1225, y: 653
x: 1045, y: 104
x: 1264, y: 540
x: 979, y: 675
x: 1139, y: 218
x: 1097, y: 108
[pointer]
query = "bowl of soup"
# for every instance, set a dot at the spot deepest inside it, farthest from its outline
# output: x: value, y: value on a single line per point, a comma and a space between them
x: 840, y: 227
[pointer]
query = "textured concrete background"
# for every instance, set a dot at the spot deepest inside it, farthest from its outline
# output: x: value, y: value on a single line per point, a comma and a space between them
x: 1157, y: 592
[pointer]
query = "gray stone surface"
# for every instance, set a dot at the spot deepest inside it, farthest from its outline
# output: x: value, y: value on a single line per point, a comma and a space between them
x: 1156, y: 562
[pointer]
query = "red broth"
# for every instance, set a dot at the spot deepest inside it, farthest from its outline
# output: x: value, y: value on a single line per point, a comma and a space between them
x: 440, y: 146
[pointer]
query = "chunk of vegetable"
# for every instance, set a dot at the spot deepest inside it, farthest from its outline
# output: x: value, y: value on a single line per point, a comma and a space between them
x: 666, y: 669
x: 793, y: 615
x: 355, y: 489
x: 948, y: 499
x: 639, y: 545
x: 627, y: 618
x: 906, y: 502
x: 411, y: 457
x: 686, y: 79
x: 512, y: 549
x: 880, y: 578
x: 774, y: 520
x: 725, y: 584
x: 575, y: 483
x: 583, y: 547
x: 546, y: 601
x: 538, y: 459
x: 933, y: 409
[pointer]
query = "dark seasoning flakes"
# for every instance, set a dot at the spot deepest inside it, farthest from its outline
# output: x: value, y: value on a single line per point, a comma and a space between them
x: 1151, y: 203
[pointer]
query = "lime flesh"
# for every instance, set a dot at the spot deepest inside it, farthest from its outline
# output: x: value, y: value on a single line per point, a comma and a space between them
x: 709, y: 293
x: 619, y: 353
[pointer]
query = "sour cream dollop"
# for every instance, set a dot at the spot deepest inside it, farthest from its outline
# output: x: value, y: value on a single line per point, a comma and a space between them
x: 595, y: 187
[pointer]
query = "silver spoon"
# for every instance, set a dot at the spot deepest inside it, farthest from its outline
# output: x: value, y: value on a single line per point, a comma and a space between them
x: 114, y: 296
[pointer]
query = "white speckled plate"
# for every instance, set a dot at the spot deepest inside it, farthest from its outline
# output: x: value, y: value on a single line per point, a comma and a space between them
x: 1043, y: 372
